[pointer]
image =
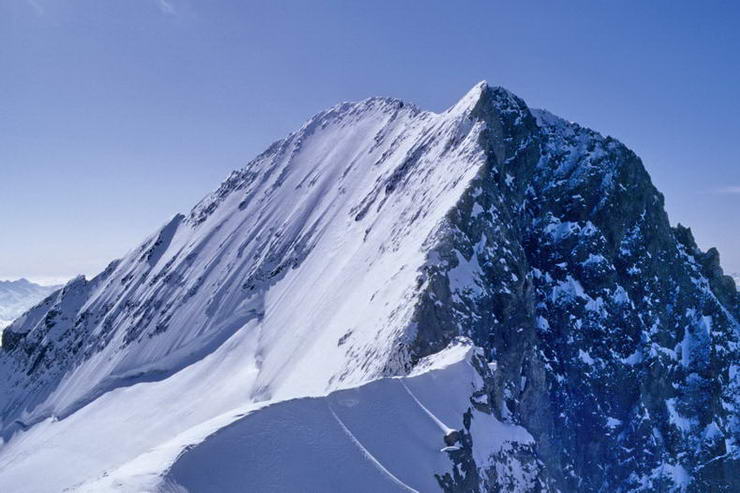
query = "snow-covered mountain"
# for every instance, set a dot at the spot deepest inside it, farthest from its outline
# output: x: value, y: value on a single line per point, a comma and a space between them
x: 18, y: 296
x: 485, y: 299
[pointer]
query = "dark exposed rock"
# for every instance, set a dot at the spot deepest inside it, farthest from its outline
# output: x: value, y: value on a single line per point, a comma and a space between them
x: 615, y: 338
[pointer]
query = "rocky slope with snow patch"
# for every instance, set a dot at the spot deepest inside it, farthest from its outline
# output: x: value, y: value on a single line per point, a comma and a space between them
x: 360, y: 248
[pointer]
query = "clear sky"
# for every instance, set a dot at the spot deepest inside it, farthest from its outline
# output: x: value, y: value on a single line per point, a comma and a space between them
x: 114, y: 115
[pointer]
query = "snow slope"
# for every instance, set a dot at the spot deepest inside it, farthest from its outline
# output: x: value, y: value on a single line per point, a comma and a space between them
x: 294, y: 279
x: 389, y: 432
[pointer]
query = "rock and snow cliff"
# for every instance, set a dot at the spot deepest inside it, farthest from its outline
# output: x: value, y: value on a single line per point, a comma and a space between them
x: 309, y: 312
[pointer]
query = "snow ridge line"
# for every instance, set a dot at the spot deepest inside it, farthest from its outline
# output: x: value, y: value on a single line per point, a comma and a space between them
x: 445, y: 429
x: 370, y: 456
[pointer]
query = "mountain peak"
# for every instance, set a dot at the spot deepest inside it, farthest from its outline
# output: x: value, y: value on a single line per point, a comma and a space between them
x: 358, y: 248
x: 470, y: 99
x: 17, y: 282
x: 18, y: 296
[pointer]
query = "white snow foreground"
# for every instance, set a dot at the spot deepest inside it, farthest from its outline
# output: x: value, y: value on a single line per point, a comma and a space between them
x: 295, y: 279
x: 387, y: 435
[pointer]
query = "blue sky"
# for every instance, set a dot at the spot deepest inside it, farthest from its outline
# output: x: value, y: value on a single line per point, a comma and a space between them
x: 114, y: 115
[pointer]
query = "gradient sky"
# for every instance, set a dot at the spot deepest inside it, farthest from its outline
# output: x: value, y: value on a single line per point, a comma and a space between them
x: 115, y: 115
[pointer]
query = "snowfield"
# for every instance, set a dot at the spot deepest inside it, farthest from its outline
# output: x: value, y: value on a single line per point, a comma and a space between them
x: 294, y: 279
x: 389, y: 432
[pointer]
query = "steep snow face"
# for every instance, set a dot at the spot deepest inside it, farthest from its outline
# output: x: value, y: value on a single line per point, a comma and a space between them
x: 18, y: 296
x: 304, y: 264
x: 357, y: 249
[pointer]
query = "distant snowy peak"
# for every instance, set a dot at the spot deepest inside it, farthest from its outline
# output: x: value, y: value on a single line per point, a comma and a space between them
x: 18, y: 296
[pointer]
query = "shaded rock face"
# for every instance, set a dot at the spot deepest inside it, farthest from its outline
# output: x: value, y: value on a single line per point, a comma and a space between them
x: 615, y: 337
x: 513, y: 466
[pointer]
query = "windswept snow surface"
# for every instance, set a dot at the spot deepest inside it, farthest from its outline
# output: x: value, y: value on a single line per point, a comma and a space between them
x: 387, y: 435
x: 382, y: 436
x: 297, y: 277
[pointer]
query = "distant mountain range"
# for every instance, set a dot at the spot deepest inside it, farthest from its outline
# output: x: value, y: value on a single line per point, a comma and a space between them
x: 18, y: 296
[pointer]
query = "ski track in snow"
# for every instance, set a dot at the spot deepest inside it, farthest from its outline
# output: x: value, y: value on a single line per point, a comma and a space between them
x: 369, y: 456
x: 443, y: 427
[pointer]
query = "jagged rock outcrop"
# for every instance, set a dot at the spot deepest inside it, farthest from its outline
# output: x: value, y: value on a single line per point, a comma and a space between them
x: 615, y: 337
